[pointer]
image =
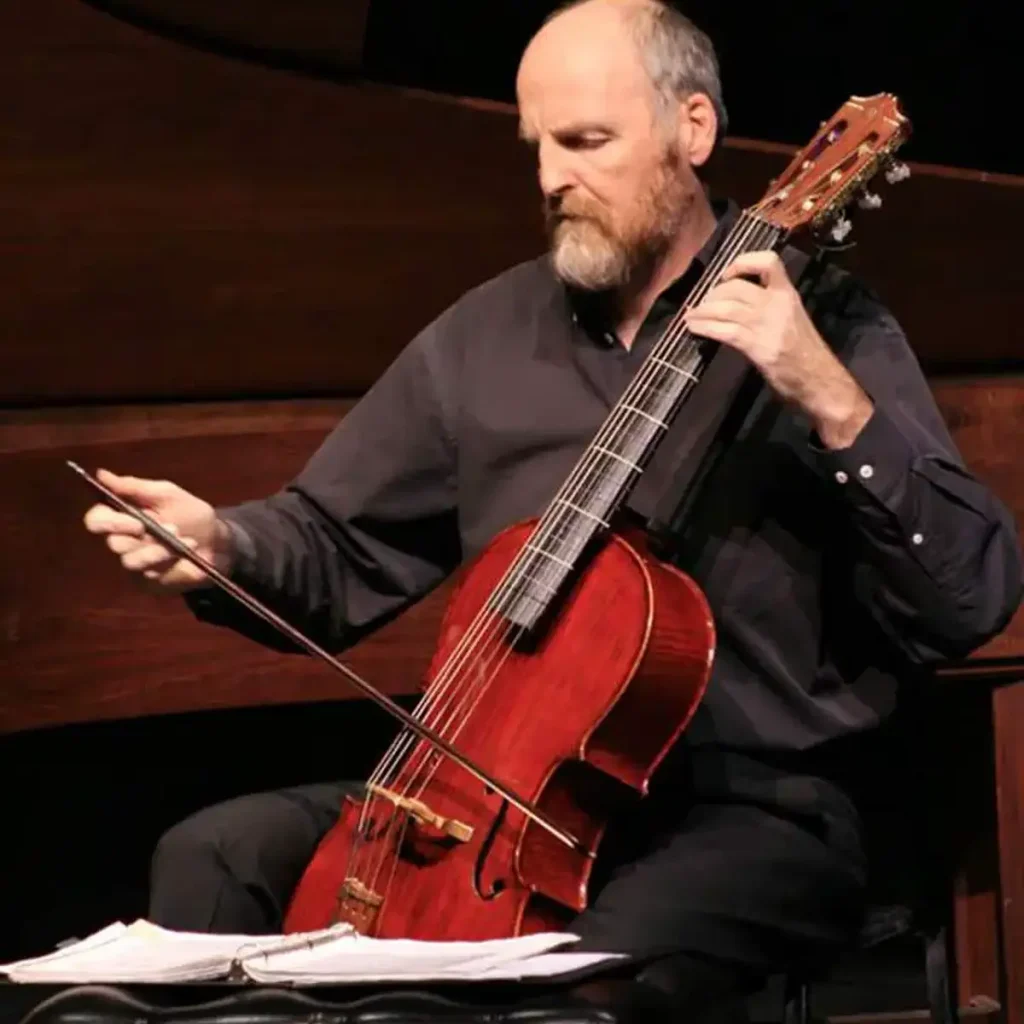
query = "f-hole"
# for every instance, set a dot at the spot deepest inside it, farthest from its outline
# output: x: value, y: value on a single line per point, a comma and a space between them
x: 485, y: 848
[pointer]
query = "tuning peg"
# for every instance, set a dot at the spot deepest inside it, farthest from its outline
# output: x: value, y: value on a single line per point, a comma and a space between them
x: 840, y: 228
x: 869, y: 200
x: 896, y: 172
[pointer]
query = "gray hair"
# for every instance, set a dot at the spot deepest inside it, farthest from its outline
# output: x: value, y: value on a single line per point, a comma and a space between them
x: 678, y: 57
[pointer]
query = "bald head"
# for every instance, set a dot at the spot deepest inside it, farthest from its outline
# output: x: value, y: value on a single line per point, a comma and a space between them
x: 676, y: 57
x: 604, y: 93
x: 597, y: 22
x: 586, y: 56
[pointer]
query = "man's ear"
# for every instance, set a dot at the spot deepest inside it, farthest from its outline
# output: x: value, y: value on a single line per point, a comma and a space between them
x: 698, y: 127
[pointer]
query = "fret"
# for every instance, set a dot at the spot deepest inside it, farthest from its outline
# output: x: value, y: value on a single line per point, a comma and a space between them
x: 646, y: 415
x: 673, y: 367
x: 583, y: 512
x: 616, y: 455
x: 547, y: 554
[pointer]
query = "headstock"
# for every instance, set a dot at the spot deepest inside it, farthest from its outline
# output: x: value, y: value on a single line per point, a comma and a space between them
x: 836, y: 167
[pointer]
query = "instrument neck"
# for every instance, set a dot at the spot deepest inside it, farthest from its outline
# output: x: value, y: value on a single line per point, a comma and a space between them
x: 612, y: 463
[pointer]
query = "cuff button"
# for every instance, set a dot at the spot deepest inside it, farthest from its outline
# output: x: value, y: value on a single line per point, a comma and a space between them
x: 866, y: 472
x: 841, y: 477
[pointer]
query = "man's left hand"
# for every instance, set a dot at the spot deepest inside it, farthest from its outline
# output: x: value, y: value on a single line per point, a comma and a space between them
x: 768, y: 323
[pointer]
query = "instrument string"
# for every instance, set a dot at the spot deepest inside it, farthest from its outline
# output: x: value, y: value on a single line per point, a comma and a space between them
x: 468, y: 645
x: 444, y: 702
x: 673, y: 335
x: 429, y: 760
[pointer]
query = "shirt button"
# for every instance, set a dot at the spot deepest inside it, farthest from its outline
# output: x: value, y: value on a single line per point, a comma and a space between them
x: 918, y: 538
x: 841, y: 477
x: 866, y: 472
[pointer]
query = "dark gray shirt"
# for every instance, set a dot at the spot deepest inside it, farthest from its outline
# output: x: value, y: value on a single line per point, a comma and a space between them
x: 831, y: 574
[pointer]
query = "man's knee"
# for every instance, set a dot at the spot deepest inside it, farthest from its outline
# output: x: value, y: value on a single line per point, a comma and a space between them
x: 188, y: 876
x: 233, y: 866
x: 185, y: 847
x: 195, y: 887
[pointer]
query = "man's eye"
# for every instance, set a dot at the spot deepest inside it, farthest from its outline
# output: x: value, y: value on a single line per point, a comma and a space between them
x: 585, y: 141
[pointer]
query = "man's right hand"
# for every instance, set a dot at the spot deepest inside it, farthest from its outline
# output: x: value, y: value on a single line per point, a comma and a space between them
x: 191, y: 518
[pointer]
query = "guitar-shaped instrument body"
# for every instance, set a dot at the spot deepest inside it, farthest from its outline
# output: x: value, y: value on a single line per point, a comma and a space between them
x: 570, y: 659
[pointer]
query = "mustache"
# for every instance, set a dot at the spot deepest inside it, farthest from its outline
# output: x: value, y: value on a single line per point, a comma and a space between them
x: 556, y: 211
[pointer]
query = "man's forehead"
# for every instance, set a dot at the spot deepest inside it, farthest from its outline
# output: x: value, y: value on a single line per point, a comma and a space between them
x: 582, y: 83
x: 557, y: 104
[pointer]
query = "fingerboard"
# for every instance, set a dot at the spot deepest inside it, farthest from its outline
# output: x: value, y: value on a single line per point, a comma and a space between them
x: 612, y: 463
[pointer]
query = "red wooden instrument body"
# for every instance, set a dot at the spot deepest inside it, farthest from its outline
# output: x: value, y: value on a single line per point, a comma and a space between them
x: 576, y: 725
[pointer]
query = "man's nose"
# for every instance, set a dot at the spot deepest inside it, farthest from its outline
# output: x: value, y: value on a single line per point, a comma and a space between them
x: 553, y: 170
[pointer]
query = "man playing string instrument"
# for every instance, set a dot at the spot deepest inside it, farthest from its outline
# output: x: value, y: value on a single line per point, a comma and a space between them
x: 841, y: 543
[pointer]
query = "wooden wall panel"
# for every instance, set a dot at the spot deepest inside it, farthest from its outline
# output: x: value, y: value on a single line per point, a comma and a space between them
x: 985, y: 415
x: 175, y: 223
x: 79, y: 641
x: 323, y: 36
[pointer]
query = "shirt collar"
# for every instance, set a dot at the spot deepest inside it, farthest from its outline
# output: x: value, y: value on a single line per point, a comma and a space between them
x: 589, y: 310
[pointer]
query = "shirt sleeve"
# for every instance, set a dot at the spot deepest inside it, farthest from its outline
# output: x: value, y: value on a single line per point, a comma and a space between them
x: 368, y: 526
x: 938, y: 561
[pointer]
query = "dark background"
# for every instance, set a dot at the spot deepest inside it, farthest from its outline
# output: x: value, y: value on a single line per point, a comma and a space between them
x: 785, y: 66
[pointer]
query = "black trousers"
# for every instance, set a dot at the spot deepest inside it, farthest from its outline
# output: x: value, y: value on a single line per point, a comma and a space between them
x: 732, y: 890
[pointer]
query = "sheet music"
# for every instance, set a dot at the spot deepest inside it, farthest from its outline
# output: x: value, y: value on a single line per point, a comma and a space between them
x: 365, y: 959
x: 542, y: 965
x: 547, y: 965
x: 145, y: 952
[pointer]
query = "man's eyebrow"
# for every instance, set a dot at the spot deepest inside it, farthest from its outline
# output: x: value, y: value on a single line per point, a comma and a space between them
x: 574, y: 128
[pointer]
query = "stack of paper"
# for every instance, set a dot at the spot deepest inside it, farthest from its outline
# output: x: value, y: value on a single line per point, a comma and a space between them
x: 358, y: 958
x: 144, y: 952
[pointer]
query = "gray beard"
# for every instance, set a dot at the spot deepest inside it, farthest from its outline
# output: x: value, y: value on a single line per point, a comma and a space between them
x: 587, y: 259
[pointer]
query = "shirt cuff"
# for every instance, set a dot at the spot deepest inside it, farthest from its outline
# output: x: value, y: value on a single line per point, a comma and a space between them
x: 874, y: 470
x: 209, y: 601
x: 243, y: 548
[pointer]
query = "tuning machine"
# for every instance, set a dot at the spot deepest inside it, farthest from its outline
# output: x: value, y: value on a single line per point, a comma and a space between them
x: 896, y: 171
x: 839, y: 229
x: 869, y: 200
